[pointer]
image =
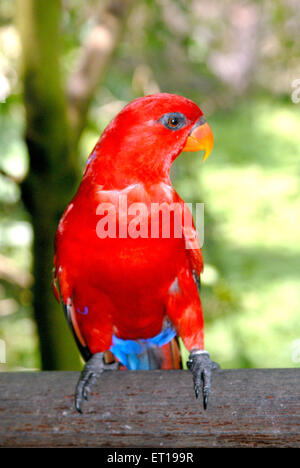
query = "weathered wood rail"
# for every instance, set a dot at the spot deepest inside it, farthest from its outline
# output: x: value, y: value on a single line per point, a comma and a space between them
x: 247, y: 408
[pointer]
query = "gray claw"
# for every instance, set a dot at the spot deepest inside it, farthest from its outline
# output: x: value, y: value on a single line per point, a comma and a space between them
x: 91, y: 372
x: 201, y: 366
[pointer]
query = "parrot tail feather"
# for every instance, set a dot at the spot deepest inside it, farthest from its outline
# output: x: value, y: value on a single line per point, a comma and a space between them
x: 159, y: 352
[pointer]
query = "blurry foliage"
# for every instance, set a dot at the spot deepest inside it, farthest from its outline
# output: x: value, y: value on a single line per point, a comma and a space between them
x: 237, y: 59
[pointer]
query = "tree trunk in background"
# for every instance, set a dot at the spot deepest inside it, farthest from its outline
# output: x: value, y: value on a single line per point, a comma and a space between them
x: 53, y: 173
x: 52, y: 145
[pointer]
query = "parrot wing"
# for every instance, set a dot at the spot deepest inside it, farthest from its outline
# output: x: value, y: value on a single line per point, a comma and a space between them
x: 60, y: 288
x: 193, y: 250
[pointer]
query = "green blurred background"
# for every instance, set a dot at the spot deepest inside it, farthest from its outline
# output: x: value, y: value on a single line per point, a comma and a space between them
x: 67, y: 67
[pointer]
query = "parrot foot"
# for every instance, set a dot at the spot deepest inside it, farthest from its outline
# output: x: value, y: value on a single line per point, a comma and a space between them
x: 201, y: 366
x: 91, y: 372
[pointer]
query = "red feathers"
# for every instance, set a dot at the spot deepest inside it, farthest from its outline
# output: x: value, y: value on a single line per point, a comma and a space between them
x: 130, y: 284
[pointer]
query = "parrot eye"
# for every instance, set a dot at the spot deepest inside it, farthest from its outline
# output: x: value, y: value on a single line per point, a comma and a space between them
x: 173, y: 120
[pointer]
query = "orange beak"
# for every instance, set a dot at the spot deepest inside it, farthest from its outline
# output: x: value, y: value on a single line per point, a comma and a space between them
x: 200, y: 138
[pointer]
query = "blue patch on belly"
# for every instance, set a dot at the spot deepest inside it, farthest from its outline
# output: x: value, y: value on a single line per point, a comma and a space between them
x: 133, y: 353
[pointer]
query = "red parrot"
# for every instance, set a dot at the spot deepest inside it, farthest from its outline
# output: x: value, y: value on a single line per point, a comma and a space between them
x: 128, y: 289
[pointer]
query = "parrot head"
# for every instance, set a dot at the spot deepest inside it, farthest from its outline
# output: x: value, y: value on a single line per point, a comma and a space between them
x: 150, y: 132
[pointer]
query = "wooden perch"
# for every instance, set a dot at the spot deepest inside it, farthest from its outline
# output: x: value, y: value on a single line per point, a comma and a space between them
x: 247, y: 408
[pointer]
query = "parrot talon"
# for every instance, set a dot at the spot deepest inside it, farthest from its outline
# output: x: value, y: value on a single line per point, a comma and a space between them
x: 91, y: 372
x: 201, y: 366
x: 87, y: 388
